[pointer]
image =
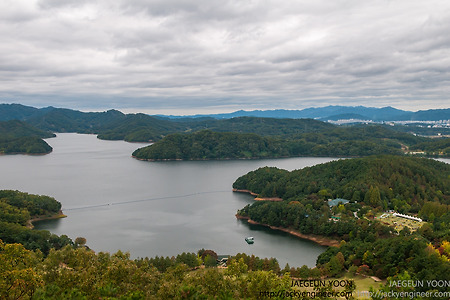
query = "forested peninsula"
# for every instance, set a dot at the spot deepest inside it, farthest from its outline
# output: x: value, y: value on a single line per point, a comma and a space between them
x: 351, y: 141
x: 20, y: 137
x: 358, y: 202
x: 407, y: 185
x: 18, y: 209
x: 416, y: 180
x: 207, y: 144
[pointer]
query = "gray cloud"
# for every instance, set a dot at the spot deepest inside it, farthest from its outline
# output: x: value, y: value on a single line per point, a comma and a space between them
x: 186, y: 55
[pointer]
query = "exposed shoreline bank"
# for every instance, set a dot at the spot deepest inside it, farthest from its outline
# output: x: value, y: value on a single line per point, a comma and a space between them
x: 275, y: 199
x: 58, y: 215
x: 321, y: 240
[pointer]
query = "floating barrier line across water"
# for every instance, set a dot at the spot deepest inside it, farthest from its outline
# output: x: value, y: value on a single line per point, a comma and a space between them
x: 145, y: 200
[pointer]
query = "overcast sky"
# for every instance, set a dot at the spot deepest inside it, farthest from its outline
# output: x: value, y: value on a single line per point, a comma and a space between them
x: 197, y: 56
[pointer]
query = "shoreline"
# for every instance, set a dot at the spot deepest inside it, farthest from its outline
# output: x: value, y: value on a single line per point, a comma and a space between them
x: 274, y: 199
x: 321, y: 240
x: 275, y: 157
x: 153, y: 160
x: 209, y: 159
x: 24, y: 153
x: 245, y: 191
x: 57, y: 215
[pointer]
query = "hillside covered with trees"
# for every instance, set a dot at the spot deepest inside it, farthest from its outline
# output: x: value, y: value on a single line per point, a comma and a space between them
x: 437, y: 147
x: 335, y: 142
x: 369, y: 245
x: 416, y: 180
x: 373, y: 185
x: 404, y: 184
x: 20, y: 137
x: 78, y: 273
x: 16, y: 211
x: 208, y: 144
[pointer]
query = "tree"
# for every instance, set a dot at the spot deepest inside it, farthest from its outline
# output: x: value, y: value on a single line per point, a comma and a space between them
x: 204, y: 253
x: 264, y: 281
x: 237, y: 267
x: 80, y: 241
x: 210, y: 261
x: 18, y: 276
x: 373, y: 197
x: 304, y: 272
x: 334, y: 266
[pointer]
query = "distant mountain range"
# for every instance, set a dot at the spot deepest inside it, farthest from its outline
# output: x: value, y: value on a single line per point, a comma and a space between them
x: 114, y: 125
x: 306, y: 127
x: 329, y: 113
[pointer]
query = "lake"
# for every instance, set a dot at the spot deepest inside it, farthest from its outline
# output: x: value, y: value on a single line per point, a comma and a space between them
x: 151, y: 208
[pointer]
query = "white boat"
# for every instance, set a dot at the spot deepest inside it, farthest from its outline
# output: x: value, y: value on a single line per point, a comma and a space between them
x: 249, y: 240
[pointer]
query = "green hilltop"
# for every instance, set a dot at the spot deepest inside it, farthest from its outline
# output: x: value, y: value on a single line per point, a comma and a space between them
x: 415, y: 180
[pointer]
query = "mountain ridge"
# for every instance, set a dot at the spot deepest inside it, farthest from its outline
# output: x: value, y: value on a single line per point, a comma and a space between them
x: 388, y: 113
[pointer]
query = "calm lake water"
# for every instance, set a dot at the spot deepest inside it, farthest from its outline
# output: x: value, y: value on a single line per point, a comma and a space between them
x: 150, y: 208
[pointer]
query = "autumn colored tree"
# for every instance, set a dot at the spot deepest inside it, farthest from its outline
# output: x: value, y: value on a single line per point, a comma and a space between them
x: 18, y: 276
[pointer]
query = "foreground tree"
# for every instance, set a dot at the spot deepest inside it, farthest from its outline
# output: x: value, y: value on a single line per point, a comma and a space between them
x: 18, y: 276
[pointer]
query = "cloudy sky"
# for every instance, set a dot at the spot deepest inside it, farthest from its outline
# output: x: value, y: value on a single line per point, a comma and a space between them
x: 197, y: 56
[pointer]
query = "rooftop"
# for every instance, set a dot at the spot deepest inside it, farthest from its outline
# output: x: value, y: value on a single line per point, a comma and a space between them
x: 336, y: 201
